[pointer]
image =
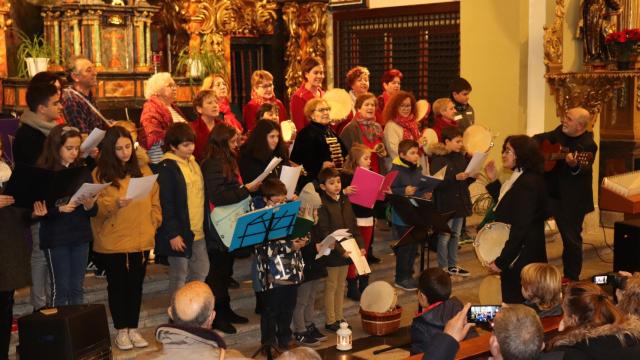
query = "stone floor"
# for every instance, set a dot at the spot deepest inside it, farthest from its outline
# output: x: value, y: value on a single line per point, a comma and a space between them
x: 597, y: 253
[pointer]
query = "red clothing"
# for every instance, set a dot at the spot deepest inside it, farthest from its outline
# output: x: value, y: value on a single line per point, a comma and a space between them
x: 229, y: 116
x: 297, y: 103
x: 382, y: 100
x: 155, y: 120
x: 250, y: 110
x: 442, y: 123
x: 202, y: 137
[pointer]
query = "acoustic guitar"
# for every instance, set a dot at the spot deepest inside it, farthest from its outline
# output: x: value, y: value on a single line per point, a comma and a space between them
x: 554, y: 152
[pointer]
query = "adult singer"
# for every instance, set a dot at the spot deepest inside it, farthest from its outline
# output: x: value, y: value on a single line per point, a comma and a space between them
x: 521, y: 203
x: 569, y: 185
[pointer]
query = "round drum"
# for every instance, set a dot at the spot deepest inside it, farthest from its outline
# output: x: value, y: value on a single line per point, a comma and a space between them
x: 422, y: 109
x: 489, y: 292
x: 477, y: 138
x: 490, y: 241
x: 428, y: 138
x: 288, y: 128
x: 379, y: 297
x: 340, y: 102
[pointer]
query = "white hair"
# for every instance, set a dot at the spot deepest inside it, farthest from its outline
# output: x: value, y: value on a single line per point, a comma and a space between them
x: 155, y: 83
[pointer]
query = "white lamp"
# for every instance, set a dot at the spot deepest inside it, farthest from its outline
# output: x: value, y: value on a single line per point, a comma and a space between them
x: 344, y: 337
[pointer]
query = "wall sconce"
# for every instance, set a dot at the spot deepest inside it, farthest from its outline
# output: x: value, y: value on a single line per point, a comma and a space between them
x: 344, y: 340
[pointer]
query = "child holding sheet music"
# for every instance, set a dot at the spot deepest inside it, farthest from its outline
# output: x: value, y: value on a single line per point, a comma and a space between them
x: 406, y: 184
x: 336, y: 213
x: 124, y: 231
x: 452, y: 195
x: 181, y: 235
x: 280, y: 267
x: 359, y: 156
x: 65, y: 232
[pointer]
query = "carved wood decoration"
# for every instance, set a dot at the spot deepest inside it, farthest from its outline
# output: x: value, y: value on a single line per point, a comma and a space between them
x: 307, y: 27
x: 5, y: 21
x: 553, y: 40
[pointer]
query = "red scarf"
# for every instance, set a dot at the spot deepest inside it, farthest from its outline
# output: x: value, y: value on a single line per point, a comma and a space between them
x: 409, y: 127
x: 371, y: 130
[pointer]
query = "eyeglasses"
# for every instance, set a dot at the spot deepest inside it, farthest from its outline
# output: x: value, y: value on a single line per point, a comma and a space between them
x: 405, y: 106
x: 266, y: 86
x: 507, y: 151
x: 323, y: 110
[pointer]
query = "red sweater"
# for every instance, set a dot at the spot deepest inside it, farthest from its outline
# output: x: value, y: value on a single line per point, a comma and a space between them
x: 202, y: 137
x: 441, y: 123
x: 155, y: 120
x: 229, y: 116
x: 250, y: 110
x: 297, y: 103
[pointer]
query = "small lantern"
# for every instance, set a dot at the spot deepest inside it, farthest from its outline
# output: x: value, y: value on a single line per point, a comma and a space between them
x: 344, y: 337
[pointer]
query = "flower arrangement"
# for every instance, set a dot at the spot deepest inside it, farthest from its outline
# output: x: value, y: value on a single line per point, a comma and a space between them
x: 623, y: 43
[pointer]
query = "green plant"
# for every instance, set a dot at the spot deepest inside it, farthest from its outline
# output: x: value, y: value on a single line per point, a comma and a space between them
x: 210, y: 63
x: 34, y: 47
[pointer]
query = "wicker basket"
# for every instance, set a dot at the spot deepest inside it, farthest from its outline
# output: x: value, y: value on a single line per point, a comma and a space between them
x: 379, y: 324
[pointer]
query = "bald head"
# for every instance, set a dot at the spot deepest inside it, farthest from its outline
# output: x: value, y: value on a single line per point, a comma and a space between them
x: 576, y: 121
x: 192, y: 305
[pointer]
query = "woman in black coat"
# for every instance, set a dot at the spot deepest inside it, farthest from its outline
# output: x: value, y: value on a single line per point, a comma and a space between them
x: 521, y: 203
x: 223, y: 186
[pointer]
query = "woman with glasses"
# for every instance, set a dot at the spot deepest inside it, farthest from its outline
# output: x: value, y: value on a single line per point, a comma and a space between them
x: 261, y: 93
x: 317, y: 146
x: 158, y: 113
x: 521, y: 203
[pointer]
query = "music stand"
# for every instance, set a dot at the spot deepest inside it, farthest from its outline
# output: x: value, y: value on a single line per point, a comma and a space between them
x: 260, y: 227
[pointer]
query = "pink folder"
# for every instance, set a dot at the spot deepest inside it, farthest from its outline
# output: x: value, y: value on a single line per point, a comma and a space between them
x: 386, y: 184
x: 368, y: 184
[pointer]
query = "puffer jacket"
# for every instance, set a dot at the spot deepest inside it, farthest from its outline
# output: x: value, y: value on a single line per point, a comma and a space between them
x: 451, y: 194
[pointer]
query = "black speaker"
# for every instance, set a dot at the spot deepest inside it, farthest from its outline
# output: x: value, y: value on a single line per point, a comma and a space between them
x: 626, y: 246
x: 74, y: 332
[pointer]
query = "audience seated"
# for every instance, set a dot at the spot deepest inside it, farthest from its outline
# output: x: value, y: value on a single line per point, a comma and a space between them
x: 189, y: 336
x: 542, y: 288
x: 517, y: 334
x: 593, y: 328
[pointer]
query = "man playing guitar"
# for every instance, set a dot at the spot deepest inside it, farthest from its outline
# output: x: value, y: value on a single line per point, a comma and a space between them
x: 569, y: 185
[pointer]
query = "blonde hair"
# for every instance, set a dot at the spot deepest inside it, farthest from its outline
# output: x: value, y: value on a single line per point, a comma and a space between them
x: 207, y: 83
x: 311, y: 105
x: 542, y: 284
x: 260, y: 76
x: 356, y: 152
x: 155, y: 83
x: 440, y: 104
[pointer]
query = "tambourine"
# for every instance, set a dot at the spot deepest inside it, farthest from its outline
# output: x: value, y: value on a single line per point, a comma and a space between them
x: 428, y: 138
x: 340, y: 102
x: 422, y: 109
x: 379, y: 297
x: 477, y: 138
x: 490, y: 241
x: 489, y: 291
x: 288, y: 129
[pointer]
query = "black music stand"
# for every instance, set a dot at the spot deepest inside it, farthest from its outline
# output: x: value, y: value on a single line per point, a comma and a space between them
x: 260, y: 227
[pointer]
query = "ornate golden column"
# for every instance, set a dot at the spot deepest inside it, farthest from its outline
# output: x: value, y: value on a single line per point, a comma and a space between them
x: 91, y: 24
x: 5, y: 21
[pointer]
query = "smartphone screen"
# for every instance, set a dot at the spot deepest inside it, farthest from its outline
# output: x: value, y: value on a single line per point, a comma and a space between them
x: 482, y: 313
x: 600, y: 279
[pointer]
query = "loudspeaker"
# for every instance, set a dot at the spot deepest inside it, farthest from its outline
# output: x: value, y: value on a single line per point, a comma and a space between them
x: 626, y: 246
x: 74, y: 332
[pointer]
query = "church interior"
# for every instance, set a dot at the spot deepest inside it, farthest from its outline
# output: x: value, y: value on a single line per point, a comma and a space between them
x: 529, y: 62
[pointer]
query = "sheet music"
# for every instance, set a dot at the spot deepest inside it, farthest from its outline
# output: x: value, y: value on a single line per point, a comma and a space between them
x: 140, y: 187
x: 93, y: 140
x: 475, y: 165
x: 328, y: 242
x: 289, y: 177
x: 272, y: 165
x: 359, y: 260
x: 88, y: 190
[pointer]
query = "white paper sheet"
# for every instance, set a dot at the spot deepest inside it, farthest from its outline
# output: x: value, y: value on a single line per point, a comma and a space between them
x: 328, y: 243
x: 87, y: 190
x: 360, y: 261
x: 93, y: 140
x: 140, y: 187
x: 272, y: 165
x: 475, y: 165
x: 289, y: 177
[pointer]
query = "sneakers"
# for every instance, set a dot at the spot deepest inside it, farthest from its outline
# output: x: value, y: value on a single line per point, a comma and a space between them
x: 100, y: 274
x: 137, y: 339
x: 407, y: 285
x: 333, y: 326
x: 91, y: 266
x: 313, y: 331
x: 305, y: 339
x: 236, y: 319
x: 457, y: 270
x: 122, y: 340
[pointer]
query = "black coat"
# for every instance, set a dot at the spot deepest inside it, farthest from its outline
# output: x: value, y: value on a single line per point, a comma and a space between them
x: 451, y: 194
x: 15, y: 257
x: 27, y: 145
x: 430, y: 323
x: 524, y: 208
x: 571, y: 187
x: 311, y: 150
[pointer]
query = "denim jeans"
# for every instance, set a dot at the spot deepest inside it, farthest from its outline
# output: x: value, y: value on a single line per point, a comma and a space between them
x: 67, y: 265
x: 39, y: 272
x: 405, y: 256
x: 182, y: 269
x: 448, y: 244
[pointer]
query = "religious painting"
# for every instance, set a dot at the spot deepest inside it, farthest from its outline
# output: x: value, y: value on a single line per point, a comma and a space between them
x: 115, y: 44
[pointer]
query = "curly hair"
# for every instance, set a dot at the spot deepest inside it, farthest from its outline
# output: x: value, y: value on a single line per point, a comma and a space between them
x: 630, y: 300
x: 355, y: 73
x: 156, y: 83
x: 391, y: 108
x: 527, y: 152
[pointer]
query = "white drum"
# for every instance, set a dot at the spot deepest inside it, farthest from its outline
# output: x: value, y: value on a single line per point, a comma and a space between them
x: 288, y: 128
x: 490, y: 241
x: 422, y: 109
x: 379, y: 297
x: 477, y: 138
x: 340, y: 102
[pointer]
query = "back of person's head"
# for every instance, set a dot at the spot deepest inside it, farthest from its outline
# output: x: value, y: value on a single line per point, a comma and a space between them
x: 40, y: 94
x: 440, y: 105
x: 518, y: 332
x: 300, y: 353
x: 193, y: 305
x: 272, y: 187
x: 356, y: 152
x: 435, y: 284
x: 450, y: 133
x: 587, y: 305
x: 542, y: 284
x: 46, y: 77
x: 629, y: 295
x: 527, y: 152
x: 326, y: 174
x: 406, y: 145
x: 178, y: 133
x: 459, y: 84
